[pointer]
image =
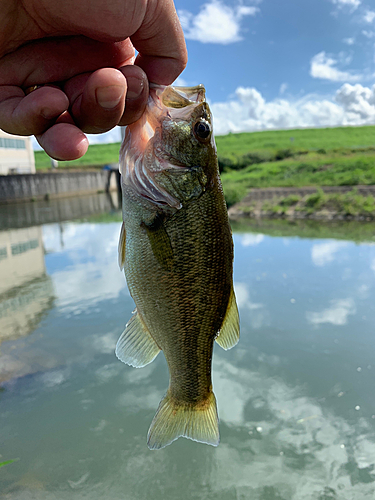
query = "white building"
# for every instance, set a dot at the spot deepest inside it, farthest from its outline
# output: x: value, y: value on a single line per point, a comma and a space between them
x: 16, y: 154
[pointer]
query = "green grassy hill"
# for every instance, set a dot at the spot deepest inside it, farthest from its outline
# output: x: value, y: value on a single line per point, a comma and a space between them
x: 236, y: 145
x: 309, y: 157
x: 96, y: 156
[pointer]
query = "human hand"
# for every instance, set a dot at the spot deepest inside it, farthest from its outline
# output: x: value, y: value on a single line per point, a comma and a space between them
x: 84, y: 51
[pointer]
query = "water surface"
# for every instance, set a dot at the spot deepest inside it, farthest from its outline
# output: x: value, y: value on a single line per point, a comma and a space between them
x: 296, y: 396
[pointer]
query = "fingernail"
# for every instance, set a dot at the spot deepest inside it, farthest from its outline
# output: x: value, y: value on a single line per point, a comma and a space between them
x: 135, y: 87
x: 49, y: 114
x: 109, y: 97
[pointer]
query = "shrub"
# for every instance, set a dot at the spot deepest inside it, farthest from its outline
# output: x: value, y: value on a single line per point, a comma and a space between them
x: 224, y: 164
x: 315, y: 200
x: 281, y: 154
x: 290, y: 200
x: 233, y: 193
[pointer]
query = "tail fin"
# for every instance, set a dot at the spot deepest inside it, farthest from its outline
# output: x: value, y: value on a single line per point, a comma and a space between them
x: 172, y: 420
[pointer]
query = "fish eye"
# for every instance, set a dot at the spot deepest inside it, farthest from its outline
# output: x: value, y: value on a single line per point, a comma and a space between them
x: 202, y: 130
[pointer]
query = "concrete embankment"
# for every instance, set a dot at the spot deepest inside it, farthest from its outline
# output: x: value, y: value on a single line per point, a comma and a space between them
x: 14, y: 188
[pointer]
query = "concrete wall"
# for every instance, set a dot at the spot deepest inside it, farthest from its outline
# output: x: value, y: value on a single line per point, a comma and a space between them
x: 16, y: 154
x: 53, y: 185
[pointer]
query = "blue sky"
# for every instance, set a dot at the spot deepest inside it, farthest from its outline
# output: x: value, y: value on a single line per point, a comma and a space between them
x: 271, y: 64
x: 272, y: 45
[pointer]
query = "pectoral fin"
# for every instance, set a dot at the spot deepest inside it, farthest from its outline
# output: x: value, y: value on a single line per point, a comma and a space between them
x: 136, y: 347
x: 121, y: 247
x: 160, y: 242
x: 229, y: 333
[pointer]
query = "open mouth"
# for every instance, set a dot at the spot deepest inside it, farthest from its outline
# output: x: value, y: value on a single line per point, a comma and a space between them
x: 179, y: 97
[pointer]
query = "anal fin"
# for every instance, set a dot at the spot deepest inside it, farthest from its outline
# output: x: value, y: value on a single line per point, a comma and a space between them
x: 136, y: 347
x: 229, y: 333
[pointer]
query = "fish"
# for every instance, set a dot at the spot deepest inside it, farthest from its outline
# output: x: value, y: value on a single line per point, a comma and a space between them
x: 176, y: 249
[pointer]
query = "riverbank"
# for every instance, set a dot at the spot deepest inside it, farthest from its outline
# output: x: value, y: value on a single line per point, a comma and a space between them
x: 323, y: 204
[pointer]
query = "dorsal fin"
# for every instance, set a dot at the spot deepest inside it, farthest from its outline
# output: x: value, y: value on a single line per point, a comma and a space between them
x: 229, y: 333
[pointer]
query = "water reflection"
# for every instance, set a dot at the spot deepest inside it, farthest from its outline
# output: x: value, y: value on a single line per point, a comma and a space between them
x: 295, y: 397
x: 25, y: 289
x: 17, y: 215
x: 83, y: 263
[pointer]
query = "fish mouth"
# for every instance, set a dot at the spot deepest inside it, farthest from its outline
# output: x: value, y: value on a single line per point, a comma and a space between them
x: 179, y: 97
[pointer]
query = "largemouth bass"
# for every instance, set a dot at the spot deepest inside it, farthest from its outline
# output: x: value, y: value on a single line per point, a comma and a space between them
x: 177, y: 250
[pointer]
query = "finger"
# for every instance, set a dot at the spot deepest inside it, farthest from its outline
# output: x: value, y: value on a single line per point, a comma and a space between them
x: 160, y: 43
x: 58, y: 59
x: 97, y: 99
x: 93, y: 97
x: 137, y: 94
x: 31, y: 114
x: 64, y: 141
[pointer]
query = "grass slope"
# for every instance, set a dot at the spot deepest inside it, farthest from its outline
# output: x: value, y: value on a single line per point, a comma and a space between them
x: 96, y: 156
x: 235, y: 145
x: 314, y: 157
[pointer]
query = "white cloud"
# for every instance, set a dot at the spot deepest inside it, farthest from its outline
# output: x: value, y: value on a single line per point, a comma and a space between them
x: 368, y: 34
x: 349, y: 41
x: 337, y: 314
x: 357, y: 101
x: 369, y: 16
x: 216, y: 22
x: 251, y: 239
x: 243, y: 297
x: 351, y: 4
x: 323, y: 253
x: 258, y: 315
x: 248, y: 110
x: 283, y: 88
x: 323, y: 66
x: 180, y: 82
x: 113, y: 135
